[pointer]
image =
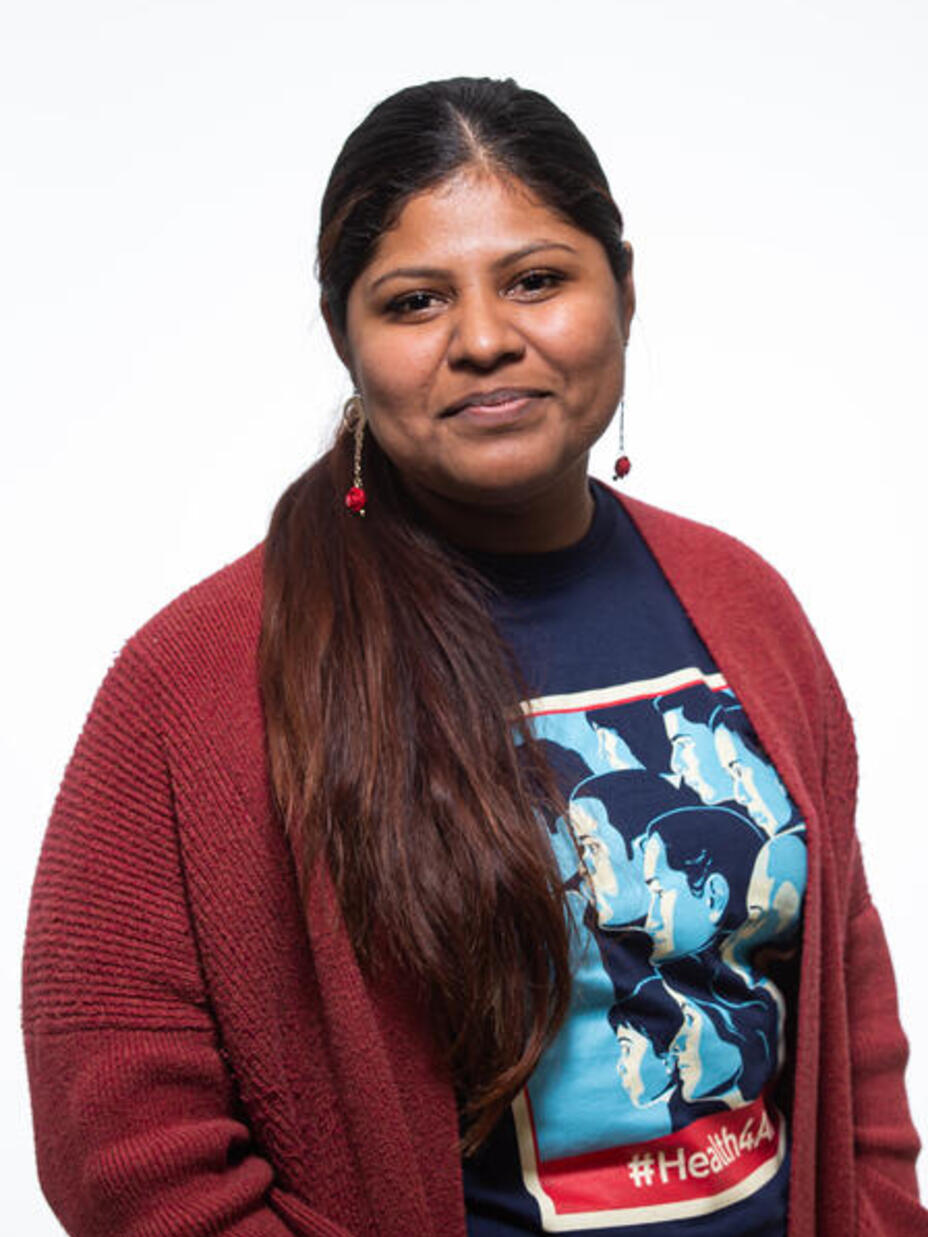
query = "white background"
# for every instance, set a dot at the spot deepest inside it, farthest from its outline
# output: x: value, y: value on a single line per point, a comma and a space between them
x: 165, y: 369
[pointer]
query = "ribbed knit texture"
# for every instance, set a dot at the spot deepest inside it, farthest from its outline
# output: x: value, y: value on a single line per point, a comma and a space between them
x: 204, y: 1056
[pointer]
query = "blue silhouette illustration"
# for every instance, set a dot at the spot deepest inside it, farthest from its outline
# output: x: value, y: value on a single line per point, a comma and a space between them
x: 696, y: 862
x: 686, y: 715
x: 754, y: 783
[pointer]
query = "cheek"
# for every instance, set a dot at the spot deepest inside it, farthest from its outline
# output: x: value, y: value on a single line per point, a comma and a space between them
x: 584, y: 341
x: 390, y: 363
x: 391, y: 377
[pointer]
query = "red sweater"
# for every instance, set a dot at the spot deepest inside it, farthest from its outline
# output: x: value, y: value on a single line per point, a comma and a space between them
x: 203, y: 1061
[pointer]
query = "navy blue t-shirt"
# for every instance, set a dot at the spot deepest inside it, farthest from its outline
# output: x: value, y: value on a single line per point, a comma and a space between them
x: 652, y: 1111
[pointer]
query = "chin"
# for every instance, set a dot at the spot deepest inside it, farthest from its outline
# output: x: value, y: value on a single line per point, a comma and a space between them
x: 504, y: 485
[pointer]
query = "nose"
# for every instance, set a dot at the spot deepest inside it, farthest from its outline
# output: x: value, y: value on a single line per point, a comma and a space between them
x: 484, y: 334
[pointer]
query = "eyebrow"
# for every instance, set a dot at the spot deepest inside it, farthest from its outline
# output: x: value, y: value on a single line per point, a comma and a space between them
x: 437, y: 272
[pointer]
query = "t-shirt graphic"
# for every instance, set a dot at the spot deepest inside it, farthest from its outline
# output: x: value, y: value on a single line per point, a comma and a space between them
x: 683, y: 856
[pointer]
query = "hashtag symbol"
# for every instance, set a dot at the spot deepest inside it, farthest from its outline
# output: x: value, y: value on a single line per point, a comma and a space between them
x: 641, y: 1169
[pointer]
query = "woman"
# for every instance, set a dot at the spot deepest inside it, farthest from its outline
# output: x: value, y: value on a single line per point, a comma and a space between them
x: 298, y: 940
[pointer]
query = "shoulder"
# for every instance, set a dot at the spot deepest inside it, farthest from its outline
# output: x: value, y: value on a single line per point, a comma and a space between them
x: 696, y: 547
x: 748, y: 616
x: 715, y: 573
x: 221, y: 612
x: 201, y: 646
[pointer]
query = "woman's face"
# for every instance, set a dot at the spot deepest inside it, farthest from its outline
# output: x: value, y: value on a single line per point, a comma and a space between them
x: 487, y: 339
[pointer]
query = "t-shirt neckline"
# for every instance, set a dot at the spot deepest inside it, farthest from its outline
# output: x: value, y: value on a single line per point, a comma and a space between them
x: 541, y: 571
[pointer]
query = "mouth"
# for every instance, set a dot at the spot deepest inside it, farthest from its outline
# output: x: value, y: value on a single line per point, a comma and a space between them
x: 498, y: 403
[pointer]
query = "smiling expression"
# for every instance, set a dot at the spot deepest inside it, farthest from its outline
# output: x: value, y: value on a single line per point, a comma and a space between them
x: 486, y: 337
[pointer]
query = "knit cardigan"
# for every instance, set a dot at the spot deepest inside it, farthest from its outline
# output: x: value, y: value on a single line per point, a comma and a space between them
x: 204, y: 1055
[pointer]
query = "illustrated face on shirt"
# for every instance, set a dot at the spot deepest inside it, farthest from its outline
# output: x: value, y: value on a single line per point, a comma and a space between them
x: 693, y: 756
x: 646, y: 1076
x: 774, y: 895
x: 708, y: 1065
x: 679, y: 920
x: 614, y: 876
x: 754, y: 782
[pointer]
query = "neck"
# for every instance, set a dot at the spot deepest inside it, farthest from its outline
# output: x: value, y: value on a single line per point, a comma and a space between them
x: 552, y: 520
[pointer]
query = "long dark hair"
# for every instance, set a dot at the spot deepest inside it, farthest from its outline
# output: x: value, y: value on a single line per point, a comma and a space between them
x: 397, y: 750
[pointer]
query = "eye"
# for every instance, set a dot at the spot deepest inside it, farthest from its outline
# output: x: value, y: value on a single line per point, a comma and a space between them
x: 411, y: 303
x: 534, y: 283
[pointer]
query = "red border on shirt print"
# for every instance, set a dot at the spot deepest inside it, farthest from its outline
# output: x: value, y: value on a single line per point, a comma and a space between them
x: 712, y: 1163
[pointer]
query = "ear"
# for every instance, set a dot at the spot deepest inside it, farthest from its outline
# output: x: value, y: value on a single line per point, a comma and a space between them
x: 627, y: 290
x: 715, y: 895
x: 339, y: 340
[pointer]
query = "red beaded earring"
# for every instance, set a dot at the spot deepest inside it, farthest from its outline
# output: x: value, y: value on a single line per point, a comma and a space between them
x: 353, y: 416
x: 623, y: 464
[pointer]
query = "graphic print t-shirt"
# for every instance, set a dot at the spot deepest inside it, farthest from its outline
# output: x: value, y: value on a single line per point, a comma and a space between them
x: 684, y: 861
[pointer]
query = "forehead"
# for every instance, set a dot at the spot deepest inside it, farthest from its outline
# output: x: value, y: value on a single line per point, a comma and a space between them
x: 673, y: 721
x: 473, y: 216
x: 725, y: 744
x: 678, y: 723
x: 653, y: 854
x: 587, y: 815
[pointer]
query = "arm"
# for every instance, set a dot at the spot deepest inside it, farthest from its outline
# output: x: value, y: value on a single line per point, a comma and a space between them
x: 885, y: 1141
x: 138, y: 1127
x: 886, y: 1144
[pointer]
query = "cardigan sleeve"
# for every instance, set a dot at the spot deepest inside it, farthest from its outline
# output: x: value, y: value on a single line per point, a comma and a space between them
x: 885, y: 1141
x: 137, y: 1122
x: 886, y: 1144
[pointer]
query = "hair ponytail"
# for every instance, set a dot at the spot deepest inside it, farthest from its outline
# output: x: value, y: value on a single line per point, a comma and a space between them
x: 392, y: 720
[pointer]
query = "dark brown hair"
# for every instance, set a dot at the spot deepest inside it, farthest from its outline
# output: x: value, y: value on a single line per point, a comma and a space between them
x: 398, y: 752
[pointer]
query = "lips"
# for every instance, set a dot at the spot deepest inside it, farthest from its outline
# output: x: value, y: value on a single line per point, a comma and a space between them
x: 491, y: 399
